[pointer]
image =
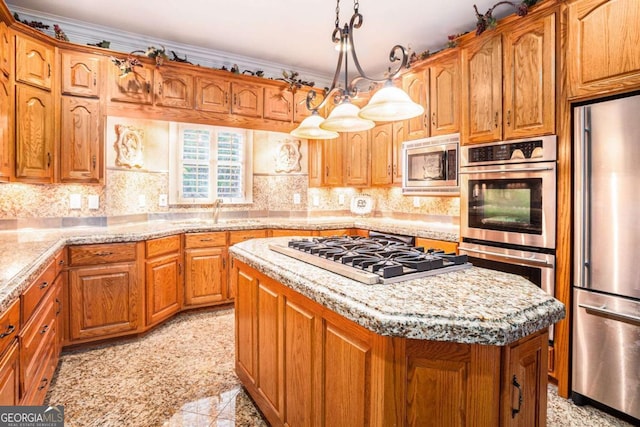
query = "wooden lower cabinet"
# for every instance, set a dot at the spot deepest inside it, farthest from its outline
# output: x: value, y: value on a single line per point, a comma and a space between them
x: 10, y: 376
x: 164, y: 287
x: 306, y: 365
x: 206, y: 276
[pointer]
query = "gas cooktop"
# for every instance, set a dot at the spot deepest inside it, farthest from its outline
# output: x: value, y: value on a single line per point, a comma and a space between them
x: 379, y: 258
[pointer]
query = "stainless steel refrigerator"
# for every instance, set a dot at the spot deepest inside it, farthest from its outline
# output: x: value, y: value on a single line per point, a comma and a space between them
x: 606, y: 276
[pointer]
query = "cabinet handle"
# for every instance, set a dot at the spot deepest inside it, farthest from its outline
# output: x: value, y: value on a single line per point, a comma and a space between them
x: 43, y: 285
x: 49, y: 68
x: 509, y: 118
x: 105, y: 253
x: 59, y: 310
x: 43, y: 384
x: 48, y: 160
x: 93, y: 161
x: 226, y: 97
x: 433, y: 119
x: 388, y: 169
x: 327, y: 168
x: 425, y: 121
x: 395, y: 169
x: 95, y: 80
x: 235, y: 99
x: 206, y: 240
x: 179, y: 269
x: 44, y: 330
x: 224, y: 263
x: 159, y: 88
x: 515, y: 411
x: 495, y: 121
x: 8, y: 332
x: 348, y: 170
x: 148, y: 87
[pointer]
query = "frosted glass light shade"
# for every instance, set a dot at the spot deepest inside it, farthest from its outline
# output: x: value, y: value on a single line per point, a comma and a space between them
x: 309, y: 128
x: 390, y: 104
x: 345, y: 118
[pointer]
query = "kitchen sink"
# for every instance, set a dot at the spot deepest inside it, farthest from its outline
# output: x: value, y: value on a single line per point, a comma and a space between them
x: 210, y: 221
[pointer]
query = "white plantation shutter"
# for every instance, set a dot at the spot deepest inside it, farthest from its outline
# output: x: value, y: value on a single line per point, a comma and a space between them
x: 231, y: 149
x: 196, y: 164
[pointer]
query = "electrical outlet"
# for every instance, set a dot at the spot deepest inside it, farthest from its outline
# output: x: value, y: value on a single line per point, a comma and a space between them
x: 297, y: 199
x: 316, y: 200
x: 93, y: 200
x: 75, y: 201
x: 341, y: 199
x: 416, y: 202
x: 162, y: 200
x: 142, y: 201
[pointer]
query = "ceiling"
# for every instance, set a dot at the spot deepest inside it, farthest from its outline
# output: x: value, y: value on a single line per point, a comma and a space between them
x: 292, y: 32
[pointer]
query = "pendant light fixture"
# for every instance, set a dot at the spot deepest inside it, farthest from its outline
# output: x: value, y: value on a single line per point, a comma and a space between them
x: 388, y: 104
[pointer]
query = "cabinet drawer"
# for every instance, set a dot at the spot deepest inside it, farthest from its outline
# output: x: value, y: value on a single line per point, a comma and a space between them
x: 9, y: 325
x: 102, y: 254
x: 60, y: 261
x: 205, y: 240
x: 36, y: 291
x: 163, y: 245
x: 35, y: 338
x: 240, y: 236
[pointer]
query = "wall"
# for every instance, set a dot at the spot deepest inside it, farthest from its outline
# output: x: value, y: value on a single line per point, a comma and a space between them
x: 134, y: 191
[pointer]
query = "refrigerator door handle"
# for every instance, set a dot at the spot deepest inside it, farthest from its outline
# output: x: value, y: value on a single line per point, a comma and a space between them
x: 610, y: 314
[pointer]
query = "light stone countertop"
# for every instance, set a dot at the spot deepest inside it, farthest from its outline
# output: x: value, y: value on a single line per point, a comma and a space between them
x: 472, y: 306
x: 24, y: 253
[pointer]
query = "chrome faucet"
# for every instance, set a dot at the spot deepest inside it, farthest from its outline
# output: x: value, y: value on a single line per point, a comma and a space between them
x: 217, y: 203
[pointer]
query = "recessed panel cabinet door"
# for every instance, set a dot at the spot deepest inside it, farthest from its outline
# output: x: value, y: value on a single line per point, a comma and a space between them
x: 247, y: 99
x: 34, y: 134
x: 6, y: 127
x: 278, y: 104
x: 80, y: 142
x: 136, y: 86
x: 382, y: 154
x: 205, y: 276
x: 163, y: 288
x: 416, y: 84
x: 81, y: 74
x: 356, y: 146
x: 213, y: 94
x: 174, y: 89
x: 445, y: 96
x: 34, y: 62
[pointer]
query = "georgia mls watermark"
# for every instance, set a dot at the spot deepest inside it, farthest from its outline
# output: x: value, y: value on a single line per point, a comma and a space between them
x: 32, y: 416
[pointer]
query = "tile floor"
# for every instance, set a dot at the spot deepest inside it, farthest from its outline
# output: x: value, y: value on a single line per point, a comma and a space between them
x: 182, y: 374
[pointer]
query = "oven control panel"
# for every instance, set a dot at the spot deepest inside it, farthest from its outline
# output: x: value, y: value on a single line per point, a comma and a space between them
x: 506, y: 151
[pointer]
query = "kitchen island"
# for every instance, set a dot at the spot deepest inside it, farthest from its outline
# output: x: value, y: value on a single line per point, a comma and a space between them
x: 462, y: 348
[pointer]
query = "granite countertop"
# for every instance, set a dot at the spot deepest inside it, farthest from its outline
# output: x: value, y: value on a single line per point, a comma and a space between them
x: 472, y: 306
x: 24, y: 253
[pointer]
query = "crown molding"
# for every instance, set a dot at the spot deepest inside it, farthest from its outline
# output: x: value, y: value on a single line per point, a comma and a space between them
x: 83, y: 33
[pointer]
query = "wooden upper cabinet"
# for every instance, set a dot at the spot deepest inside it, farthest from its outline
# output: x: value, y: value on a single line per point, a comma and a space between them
x: 278, y: 103
x: 482, y: 90
x: 81, y: 150
x: 399, y: 136
x: 332, y: 162
x: 247, y: 99
x: 213, y: 94
x: 315, y: 162
x: 6, y: 52
x: 382, y: 154
x: 173, y: 88
x: 416, y: 84
x: 135, y: 86
x: 81, y: 74
x: 603, y: 48
x: 356, y: 153
x: 444, y: 95
x: 529, y: 76
x: 34, y: 134
x: 6, y: 126
x: 34, y: 62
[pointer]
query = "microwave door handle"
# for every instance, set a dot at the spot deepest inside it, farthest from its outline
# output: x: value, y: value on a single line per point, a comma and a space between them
x: 513, y: 257
x: 536, y: 169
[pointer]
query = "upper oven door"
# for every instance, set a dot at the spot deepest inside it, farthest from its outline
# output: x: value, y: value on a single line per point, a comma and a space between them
x: 513, y: 204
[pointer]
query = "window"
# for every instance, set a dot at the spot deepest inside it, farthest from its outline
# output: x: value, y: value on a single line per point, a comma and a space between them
x: 210, y: 163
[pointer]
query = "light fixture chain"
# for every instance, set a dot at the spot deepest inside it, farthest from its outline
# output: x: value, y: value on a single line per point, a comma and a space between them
x: 338, y: 14
x: 356, y: 5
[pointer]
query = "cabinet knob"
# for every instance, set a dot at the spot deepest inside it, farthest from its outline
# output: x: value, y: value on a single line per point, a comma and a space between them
x: 509, y: 118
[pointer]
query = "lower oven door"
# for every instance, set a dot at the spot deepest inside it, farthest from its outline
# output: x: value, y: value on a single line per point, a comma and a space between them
x: 538, y: 268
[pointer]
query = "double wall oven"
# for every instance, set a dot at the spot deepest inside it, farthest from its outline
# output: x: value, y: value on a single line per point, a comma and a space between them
x: 508, y: 208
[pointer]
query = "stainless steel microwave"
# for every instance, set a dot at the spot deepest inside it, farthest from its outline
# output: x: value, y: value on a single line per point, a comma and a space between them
x: 430, y: 165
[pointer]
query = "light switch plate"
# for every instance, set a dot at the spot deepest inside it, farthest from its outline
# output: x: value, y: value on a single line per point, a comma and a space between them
x: 416, y: 202
x: 75, y: 201
x: 93, y: 201
x: 162, y: 200
x: 142, y: 200
x: 341, y: 199
x: 316, y: 200
x: 297, y: 199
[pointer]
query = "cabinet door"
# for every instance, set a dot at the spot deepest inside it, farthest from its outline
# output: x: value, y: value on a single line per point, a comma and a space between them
x: 103, y: 301
x: 247, y: 99
x: 6, y: 52
x: 34, y: 62
x: 524, y: 385
x: 81, y: 74
x: 529, y: 79
x: 315, y: 162
x: 80, y: 142
x: 174, y: 89
x: 134, y: 87
x: 356, y: 146
x: 163, y: 280
x: 382, y: 167
x: 246, y: 290
x: 482, y: 90
x: 205, y: 276
x: 603, y: 46
x: 34, y: 134
x: 399, y: 136
x: 6, y: 127
x: 269, y: 343
x: 416, y: 84
x: 332, y: 156
x: 213, y: 94
x: 444, y: 96
x: 10, y: 376
x: 278, y: 104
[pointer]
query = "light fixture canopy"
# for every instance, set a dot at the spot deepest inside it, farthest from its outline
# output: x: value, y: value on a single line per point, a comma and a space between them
x: 388, y: 104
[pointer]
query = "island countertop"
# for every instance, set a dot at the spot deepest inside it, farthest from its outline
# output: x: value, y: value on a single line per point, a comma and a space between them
x: 472, y: 306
